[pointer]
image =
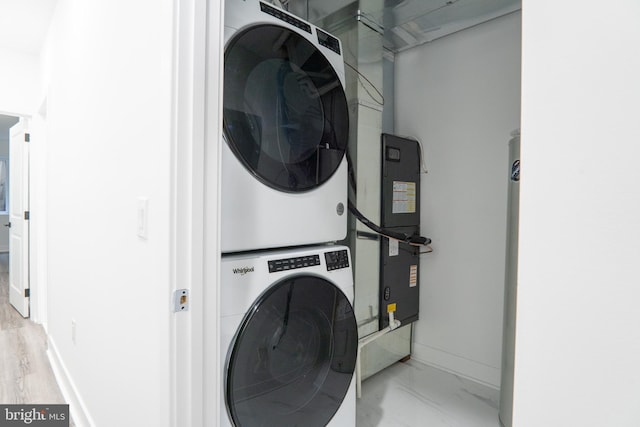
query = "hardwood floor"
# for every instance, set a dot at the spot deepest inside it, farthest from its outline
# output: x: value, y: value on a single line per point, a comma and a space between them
x: 25, y: 373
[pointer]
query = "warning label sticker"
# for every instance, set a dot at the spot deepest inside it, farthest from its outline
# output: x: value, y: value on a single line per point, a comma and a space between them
x: 404, y: 197
x: 413, y: 276
x: 394, y: 247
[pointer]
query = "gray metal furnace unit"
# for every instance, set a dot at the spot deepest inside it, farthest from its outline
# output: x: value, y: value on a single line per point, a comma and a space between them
x: 400, y: 213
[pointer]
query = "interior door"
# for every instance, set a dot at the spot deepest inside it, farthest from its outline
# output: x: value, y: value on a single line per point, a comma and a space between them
x: 18, y: 219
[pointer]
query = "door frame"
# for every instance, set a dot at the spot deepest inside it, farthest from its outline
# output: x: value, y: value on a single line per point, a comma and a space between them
x: 195, y: 243
x: 38, y: 208
x: 37, y: 241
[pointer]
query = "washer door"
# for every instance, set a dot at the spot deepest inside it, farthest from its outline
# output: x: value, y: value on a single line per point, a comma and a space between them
x: 293, y: 357
x: 285, y: 111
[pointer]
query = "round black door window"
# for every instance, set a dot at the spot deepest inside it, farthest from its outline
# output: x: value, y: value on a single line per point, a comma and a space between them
x: 293, y: 357
x: 285, y: 111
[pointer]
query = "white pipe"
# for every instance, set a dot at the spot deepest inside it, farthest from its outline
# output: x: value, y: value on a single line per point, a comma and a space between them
x: 393, y: 324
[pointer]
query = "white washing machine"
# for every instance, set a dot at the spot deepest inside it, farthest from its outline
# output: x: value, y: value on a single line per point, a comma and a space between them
x: 289, y: 339
x: 286, y: 126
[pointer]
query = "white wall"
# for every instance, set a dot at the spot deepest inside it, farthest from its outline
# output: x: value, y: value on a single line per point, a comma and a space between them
x: 19, y: 82
x: 578, y: 339
x: 19, y: 92
x: 460, y: 95
x: 108, y: 69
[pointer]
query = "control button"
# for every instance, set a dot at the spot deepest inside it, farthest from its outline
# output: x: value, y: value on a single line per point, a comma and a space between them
x: 336, y: 260
x: 285, y: 17
x: 293, y: 263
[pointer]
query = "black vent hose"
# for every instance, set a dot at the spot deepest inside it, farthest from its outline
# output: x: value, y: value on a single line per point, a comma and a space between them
x: 413, y: 239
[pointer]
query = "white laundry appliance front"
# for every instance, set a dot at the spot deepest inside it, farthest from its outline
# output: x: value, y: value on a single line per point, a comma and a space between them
x: 289, y: 338
x: 285, y: 126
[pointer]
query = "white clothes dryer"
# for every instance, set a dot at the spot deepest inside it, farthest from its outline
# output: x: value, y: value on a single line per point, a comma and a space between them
x: 289, y: 339
x: 286, y: 126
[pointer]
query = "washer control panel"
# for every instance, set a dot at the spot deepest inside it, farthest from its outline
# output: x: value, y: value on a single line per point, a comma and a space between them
x: 337, y: 259
x: 286, y: 264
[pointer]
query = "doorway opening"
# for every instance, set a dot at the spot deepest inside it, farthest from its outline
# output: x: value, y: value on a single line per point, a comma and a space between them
x: 14, y: 213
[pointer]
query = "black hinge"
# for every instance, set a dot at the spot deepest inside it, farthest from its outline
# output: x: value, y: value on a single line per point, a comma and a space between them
x: 27, y: 137
x: 27, y: 293
x: 26, y: 215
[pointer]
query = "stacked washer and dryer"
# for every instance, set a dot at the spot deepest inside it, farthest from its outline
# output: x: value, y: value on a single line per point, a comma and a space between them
x: 288, y: 331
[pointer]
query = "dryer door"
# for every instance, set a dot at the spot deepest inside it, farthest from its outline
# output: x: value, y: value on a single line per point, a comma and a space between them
x: 293, y: 357
x: 285, y: 111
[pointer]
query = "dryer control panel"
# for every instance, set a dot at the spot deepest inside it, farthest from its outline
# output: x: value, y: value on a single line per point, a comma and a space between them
x: 286, y: 17
x: 328, y: 41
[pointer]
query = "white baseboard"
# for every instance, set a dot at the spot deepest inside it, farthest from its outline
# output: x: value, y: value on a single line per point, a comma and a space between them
x: 463, y: 367
x: 77, y: 408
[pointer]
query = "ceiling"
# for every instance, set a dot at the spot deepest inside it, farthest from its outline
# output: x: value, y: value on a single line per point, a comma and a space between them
x: 405, y: 23
x: 413, y: 22
x: 24, y: 24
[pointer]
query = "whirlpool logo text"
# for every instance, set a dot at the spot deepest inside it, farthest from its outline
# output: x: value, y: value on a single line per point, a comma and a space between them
x: 243, y: 270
